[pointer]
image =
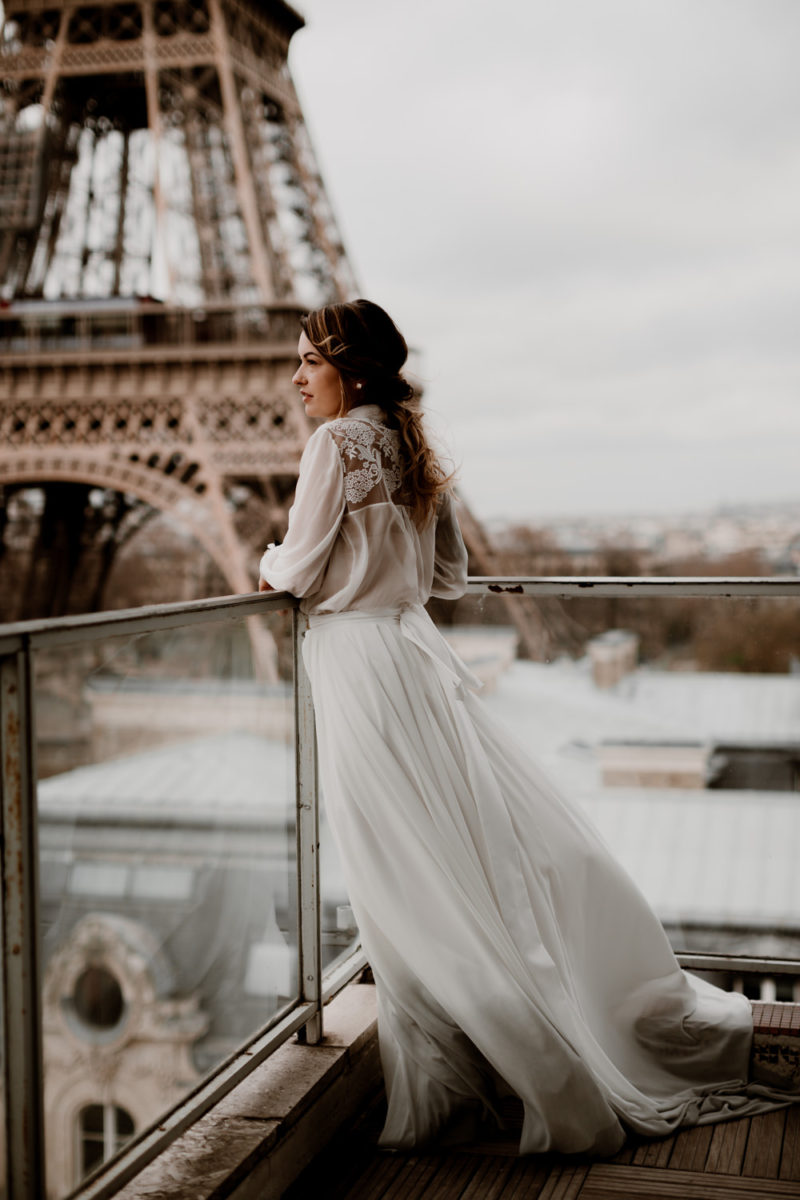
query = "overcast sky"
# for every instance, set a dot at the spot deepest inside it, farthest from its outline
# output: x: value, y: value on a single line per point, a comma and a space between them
x: 585, y: 215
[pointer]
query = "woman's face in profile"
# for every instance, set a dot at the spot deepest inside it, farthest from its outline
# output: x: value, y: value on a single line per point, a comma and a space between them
x: 318, y: 380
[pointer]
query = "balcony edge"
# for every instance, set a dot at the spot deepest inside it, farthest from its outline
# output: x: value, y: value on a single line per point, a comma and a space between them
x: 256, y: 1141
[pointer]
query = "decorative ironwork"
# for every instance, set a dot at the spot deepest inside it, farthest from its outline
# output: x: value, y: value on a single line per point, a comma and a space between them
x: 160, y: 142
x: 157, y: 148
x: 191, y: 415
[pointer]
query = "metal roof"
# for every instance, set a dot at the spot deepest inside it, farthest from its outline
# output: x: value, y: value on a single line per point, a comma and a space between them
x: 215, y: 779
x: 726, y: 857
x: 757, y: 709
x: 717, y: 857
x: 711, y: 857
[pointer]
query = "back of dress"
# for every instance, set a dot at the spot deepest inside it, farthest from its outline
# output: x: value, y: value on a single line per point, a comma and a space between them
x: 370, y: 454
x: 352, y: 542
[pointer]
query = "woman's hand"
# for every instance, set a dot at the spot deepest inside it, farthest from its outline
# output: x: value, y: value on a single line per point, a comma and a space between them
x: 263, y: 586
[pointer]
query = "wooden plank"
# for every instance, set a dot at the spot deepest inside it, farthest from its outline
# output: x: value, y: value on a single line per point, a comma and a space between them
x: 564, y: 1183
x: 654, y: 1154
x: 454, y: 1174
x: 790, y: 1152
x: 413, y: 1178
x: 726, y: 1153
x: 489, y: 1180
x: 527, y: 1178
x: 763, y: 1154
x: 373, y: 1182
x: 625, y: 1155
x: 691, y: 1149
x: 607, y: 1181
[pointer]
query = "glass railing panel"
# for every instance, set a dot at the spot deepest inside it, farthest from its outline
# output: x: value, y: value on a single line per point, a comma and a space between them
x: 167, y: 851
x: 338, y: 929
x: 3, y: 1145
x: 675, y: 724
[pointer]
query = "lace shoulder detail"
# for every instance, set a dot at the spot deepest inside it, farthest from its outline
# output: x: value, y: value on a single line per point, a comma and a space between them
x: 371, y: 459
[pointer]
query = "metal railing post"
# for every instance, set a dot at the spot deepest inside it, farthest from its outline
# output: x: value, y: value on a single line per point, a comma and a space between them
x: 22, y: 1036
x: 308, y: 893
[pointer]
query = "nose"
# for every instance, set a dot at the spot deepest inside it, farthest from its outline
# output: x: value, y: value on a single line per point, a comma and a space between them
x: 299, y: 376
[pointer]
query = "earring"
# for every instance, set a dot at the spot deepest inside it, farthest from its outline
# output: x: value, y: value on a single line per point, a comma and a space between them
x: 359, y: 386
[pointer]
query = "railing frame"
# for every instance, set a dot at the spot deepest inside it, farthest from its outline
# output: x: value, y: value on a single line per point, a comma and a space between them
x: 600, y: 586
x: 22, y: 1026
x: 21, y: 967
x: 308, y: 894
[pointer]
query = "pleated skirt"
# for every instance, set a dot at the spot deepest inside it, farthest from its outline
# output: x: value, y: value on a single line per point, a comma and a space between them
x: 511, y: 952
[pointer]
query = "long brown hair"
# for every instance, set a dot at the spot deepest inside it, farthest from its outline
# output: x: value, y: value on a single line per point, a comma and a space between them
x: 362, y: 341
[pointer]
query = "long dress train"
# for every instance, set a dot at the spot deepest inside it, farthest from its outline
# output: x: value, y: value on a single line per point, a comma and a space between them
x: 509, y: 947
x: 505, y: 939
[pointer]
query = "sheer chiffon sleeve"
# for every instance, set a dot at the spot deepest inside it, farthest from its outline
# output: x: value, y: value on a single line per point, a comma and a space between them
x: 450, y: 553
x: 299, y: 563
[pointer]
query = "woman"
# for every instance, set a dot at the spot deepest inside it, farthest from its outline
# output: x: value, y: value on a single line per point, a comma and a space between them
x: 510, y: 950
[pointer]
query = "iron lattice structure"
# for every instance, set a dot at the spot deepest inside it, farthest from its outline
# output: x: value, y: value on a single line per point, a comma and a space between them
x: 158, y: 147
x: 155, y: 148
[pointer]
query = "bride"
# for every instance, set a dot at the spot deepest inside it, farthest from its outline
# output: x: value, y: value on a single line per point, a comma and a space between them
x: 510, y: 950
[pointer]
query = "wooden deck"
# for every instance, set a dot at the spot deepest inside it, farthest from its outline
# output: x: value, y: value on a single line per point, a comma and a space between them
x: 756, y: 1158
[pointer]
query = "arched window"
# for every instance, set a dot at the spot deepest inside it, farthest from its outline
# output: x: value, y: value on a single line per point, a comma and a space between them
x: 102, y: 1130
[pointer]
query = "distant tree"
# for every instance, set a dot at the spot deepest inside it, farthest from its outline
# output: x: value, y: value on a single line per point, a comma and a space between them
x: 620, y: 560
x: 715, y: 634
x: 761, y: 636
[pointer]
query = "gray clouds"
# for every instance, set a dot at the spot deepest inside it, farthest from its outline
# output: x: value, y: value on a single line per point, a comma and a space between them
x: 585, y: 214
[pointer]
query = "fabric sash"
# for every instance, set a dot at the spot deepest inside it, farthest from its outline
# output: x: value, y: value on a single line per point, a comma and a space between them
x: 417, y: 627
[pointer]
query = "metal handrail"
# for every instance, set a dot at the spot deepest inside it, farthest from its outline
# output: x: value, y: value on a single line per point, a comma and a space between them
x: 600, y: 586
x: 19, y: 842
x: 88, y: 627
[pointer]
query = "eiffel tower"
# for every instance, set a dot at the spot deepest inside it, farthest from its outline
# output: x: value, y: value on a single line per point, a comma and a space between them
x: 156, y: 148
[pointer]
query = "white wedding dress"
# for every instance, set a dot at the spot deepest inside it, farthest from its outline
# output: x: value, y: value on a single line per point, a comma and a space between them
x: 510, y: 950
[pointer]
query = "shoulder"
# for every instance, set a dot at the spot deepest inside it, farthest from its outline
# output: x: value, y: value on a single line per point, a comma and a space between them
x: 323, y: 438
x: 320, y: 449
x: 354, y: 434
x: 355, y: 427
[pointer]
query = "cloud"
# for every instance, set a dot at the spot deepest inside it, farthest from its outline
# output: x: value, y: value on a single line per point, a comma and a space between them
x: 585, y: 215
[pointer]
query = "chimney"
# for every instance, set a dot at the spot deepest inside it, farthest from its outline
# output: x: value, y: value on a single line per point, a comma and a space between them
x: 613, y: 655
